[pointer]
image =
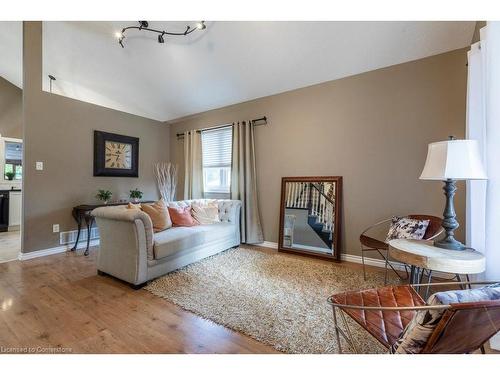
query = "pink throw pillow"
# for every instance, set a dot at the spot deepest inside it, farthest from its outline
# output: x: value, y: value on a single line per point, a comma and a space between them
x: 181, y: 217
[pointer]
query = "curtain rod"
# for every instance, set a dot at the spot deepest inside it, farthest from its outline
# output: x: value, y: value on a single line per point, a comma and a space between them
x: 264, y: 119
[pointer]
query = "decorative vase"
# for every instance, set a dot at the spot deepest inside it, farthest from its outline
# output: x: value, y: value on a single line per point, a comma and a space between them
x: 135, y: 200
x: 105, y: 202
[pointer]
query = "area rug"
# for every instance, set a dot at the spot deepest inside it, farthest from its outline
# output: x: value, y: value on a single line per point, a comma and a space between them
x: 276, y: 298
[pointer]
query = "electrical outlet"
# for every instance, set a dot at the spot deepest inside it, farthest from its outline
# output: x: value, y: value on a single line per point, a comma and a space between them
x: 39, y: 165
x: 55, y: 228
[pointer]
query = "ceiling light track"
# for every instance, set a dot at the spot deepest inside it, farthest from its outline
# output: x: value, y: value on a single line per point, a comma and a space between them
x: 144, y: 26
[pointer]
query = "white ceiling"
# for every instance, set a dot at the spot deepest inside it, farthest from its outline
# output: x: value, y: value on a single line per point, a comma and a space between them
x: 11, y: 52
x: 228, y: 63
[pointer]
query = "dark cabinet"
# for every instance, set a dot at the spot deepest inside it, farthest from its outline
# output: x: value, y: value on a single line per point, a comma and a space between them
x: 4, y: 211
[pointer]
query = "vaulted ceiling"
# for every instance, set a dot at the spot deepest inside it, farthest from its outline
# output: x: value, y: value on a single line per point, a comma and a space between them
x: 228, y: 63
x: 11, y: 52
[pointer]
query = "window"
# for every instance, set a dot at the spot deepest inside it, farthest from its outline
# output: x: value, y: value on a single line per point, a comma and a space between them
x: 13, y: 160
x: 217, y: 153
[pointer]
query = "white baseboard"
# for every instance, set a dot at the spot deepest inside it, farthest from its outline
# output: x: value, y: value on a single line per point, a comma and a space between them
x: 346, y: 257
x: 55, y: 250
x: 271, y: 245
x: 357, y: 259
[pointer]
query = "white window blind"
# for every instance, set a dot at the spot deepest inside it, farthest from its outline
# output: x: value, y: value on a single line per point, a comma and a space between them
x: 217, y: 147
x: 217, y: 154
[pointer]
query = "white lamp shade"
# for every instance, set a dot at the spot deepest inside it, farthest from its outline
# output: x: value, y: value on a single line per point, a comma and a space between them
x: 453, y: 159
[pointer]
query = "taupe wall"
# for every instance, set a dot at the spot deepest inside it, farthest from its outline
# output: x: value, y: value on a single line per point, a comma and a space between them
x: 477, y: 35
x: 11, y: 110
x: 59, y: 132
x: 372, y: 129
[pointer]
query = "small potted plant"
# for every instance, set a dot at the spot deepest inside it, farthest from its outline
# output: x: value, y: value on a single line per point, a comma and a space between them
x: 10, y: 175
x: 104, y: 195
x: 135, y: 195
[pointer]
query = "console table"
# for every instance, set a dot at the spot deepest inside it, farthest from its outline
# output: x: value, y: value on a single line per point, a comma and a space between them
x: 421, y: 255
x: 82, y: 215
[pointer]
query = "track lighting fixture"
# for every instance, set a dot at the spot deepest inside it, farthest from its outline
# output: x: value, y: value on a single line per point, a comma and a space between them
x: 144, y: 26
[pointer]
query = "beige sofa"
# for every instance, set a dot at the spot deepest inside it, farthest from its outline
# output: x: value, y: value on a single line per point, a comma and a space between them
x: 130, y: 251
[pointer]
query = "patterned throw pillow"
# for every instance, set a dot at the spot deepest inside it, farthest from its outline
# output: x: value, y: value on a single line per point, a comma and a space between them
x: 405, y: 228
x: 416, y: 334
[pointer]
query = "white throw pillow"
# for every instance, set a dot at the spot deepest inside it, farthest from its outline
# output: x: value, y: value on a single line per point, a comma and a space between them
x: 205, y: 214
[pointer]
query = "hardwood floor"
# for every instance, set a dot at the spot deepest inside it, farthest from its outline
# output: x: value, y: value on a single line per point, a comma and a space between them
x: 10, y: 245
x: 59, y: 302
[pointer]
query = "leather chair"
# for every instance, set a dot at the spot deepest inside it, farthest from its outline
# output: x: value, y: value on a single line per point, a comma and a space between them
x: 385, y: 313
x: 373, y: 244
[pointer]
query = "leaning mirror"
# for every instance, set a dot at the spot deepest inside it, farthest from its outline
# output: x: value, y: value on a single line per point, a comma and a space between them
x: 310, y: 216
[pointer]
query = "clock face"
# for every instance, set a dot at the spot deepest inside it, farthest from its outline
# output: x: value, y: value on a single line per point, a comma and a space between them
x: 118, y: 155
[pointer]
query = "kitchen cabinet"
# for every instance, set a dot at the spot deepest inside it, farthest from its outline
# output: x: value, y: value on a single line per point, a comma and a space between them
x: 15, y: 202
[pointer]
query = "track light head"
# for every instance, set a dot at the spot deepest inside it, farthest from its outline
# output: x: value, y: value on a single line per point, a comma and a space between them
x: 201, y: 25
x: 144, y: 24
x: 160, y: 38
x: 120, y: 41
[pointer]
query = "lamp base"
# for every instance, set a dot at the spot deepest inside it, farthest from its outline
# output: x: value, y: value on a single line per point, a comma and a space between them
x: 450, y: 223
x: 449, y: 244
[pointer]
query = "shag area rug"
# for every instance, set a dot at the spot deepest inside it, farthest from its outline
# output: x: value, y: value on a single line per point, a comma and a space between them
x: 276, y: 298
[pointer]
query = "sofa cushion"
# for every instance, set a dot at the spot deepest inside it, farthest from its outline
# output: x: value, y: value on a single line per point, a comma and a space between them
x: 159, y: 215
x: 205, y: 213
x: 179, y: 239
x: 181, y: 217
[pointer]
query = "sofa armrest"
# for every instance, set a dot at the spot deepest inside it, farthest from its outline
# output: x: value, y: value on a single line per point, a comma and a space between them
x: 126, y: 242
x: 229, y: 210
x: 122, y: 213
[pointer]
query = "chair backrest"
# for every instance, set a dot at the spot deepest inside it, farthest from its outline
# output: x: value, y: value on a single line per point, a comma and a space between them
x: 464, y: 327
x: 434, y: 227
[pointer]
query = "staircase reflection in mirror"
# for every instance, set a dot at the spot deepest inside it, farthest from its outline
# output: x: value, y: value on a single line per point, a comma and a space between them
x: 309, y: 216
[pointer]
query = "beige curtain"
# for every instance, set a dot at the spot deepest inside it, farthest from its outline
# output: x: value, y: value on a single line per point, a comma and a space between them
x: 244, y: 181
x: 193, y: 170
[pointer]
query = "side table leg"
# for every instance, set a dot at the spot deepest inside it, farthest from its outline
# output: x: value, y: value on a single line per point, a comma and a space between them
x: 79, y: 222
x: 89, y: 221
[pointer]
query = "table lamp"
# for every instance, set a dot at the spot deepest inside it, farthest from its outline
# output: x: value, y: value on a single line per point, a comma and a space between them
x: 449, y: 161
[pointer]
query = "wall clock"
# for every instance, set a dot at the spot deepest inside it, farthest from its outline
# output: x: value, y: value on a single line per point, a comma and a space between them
x: 115, y: 155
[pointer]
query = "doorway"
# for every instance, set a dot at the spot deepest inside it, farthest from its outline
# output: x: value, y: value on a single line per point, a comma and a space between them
x: 11, y: 139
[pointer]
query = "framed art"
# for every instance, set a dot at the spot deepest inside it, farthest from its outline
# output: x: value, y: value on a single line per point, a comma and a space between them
x: 115, y: 155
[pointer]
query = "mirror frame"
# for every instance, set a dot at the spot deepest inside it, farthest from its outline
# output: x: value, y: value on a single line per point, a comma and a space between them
x: 336, y: 251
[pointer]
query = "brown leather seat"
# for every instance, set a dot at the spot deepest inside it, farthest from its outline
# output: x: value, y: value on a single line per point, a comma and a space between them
x: 373, y: 243
x: 385, y: 326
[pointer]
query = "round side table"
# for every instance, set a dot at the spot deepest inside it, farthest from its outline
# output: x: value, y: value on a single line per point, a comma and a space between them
x: 420, y: 255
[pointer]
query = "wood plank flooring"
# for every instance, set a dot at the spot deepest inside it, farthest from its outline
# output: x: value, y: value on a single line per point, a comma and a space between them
x: 59, y: 302
x: 10, y: 245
